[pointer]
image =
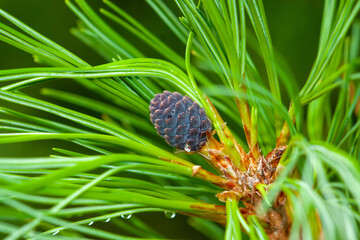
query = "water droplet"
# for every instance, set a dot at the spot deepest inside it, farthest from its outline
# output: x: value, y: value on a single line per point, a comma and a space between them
x: 171, y: 70
x: 108, y: 220
x: 56, y: 232
x: 169, y: 214
x: 187, y: 148
x: 91, y: 223
x: 126, y: 216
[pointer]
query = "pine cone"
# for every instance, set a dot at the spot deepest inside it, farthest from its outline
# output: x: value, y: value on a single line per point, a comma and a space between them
x: 179, y: 120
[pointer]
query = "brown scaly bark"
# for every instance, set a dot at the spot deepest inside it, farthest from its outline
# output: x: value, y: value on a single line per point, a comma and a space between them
x: 262, y: 170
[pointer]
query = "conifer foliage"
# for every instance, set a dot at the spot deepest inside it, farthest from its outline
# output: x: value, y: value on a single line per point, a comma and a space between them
x: 250, y: 165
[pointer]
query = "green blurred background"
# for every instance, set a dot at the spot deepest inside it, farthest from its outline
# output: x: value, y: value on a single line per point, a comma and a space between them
x: 294, y: 28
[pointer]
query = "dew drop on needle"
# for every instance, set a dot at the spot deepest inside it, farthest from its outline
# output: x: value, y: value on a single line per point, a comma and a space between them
x: 170, y: 214
x: 126, y: 216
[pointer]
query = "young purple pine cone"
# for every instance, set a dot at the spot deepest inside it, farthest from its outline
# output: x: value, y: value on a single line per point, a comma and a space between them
x: 179, y: 120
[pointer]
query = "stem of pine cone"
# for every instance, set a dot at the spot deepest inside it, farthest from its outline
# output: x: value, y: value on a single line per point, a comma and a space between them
x: 230, y: 145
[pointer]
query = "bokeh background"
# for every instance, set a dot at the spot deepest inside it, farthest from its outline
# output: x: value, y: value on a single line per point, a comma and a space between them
x: 294, y: 28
